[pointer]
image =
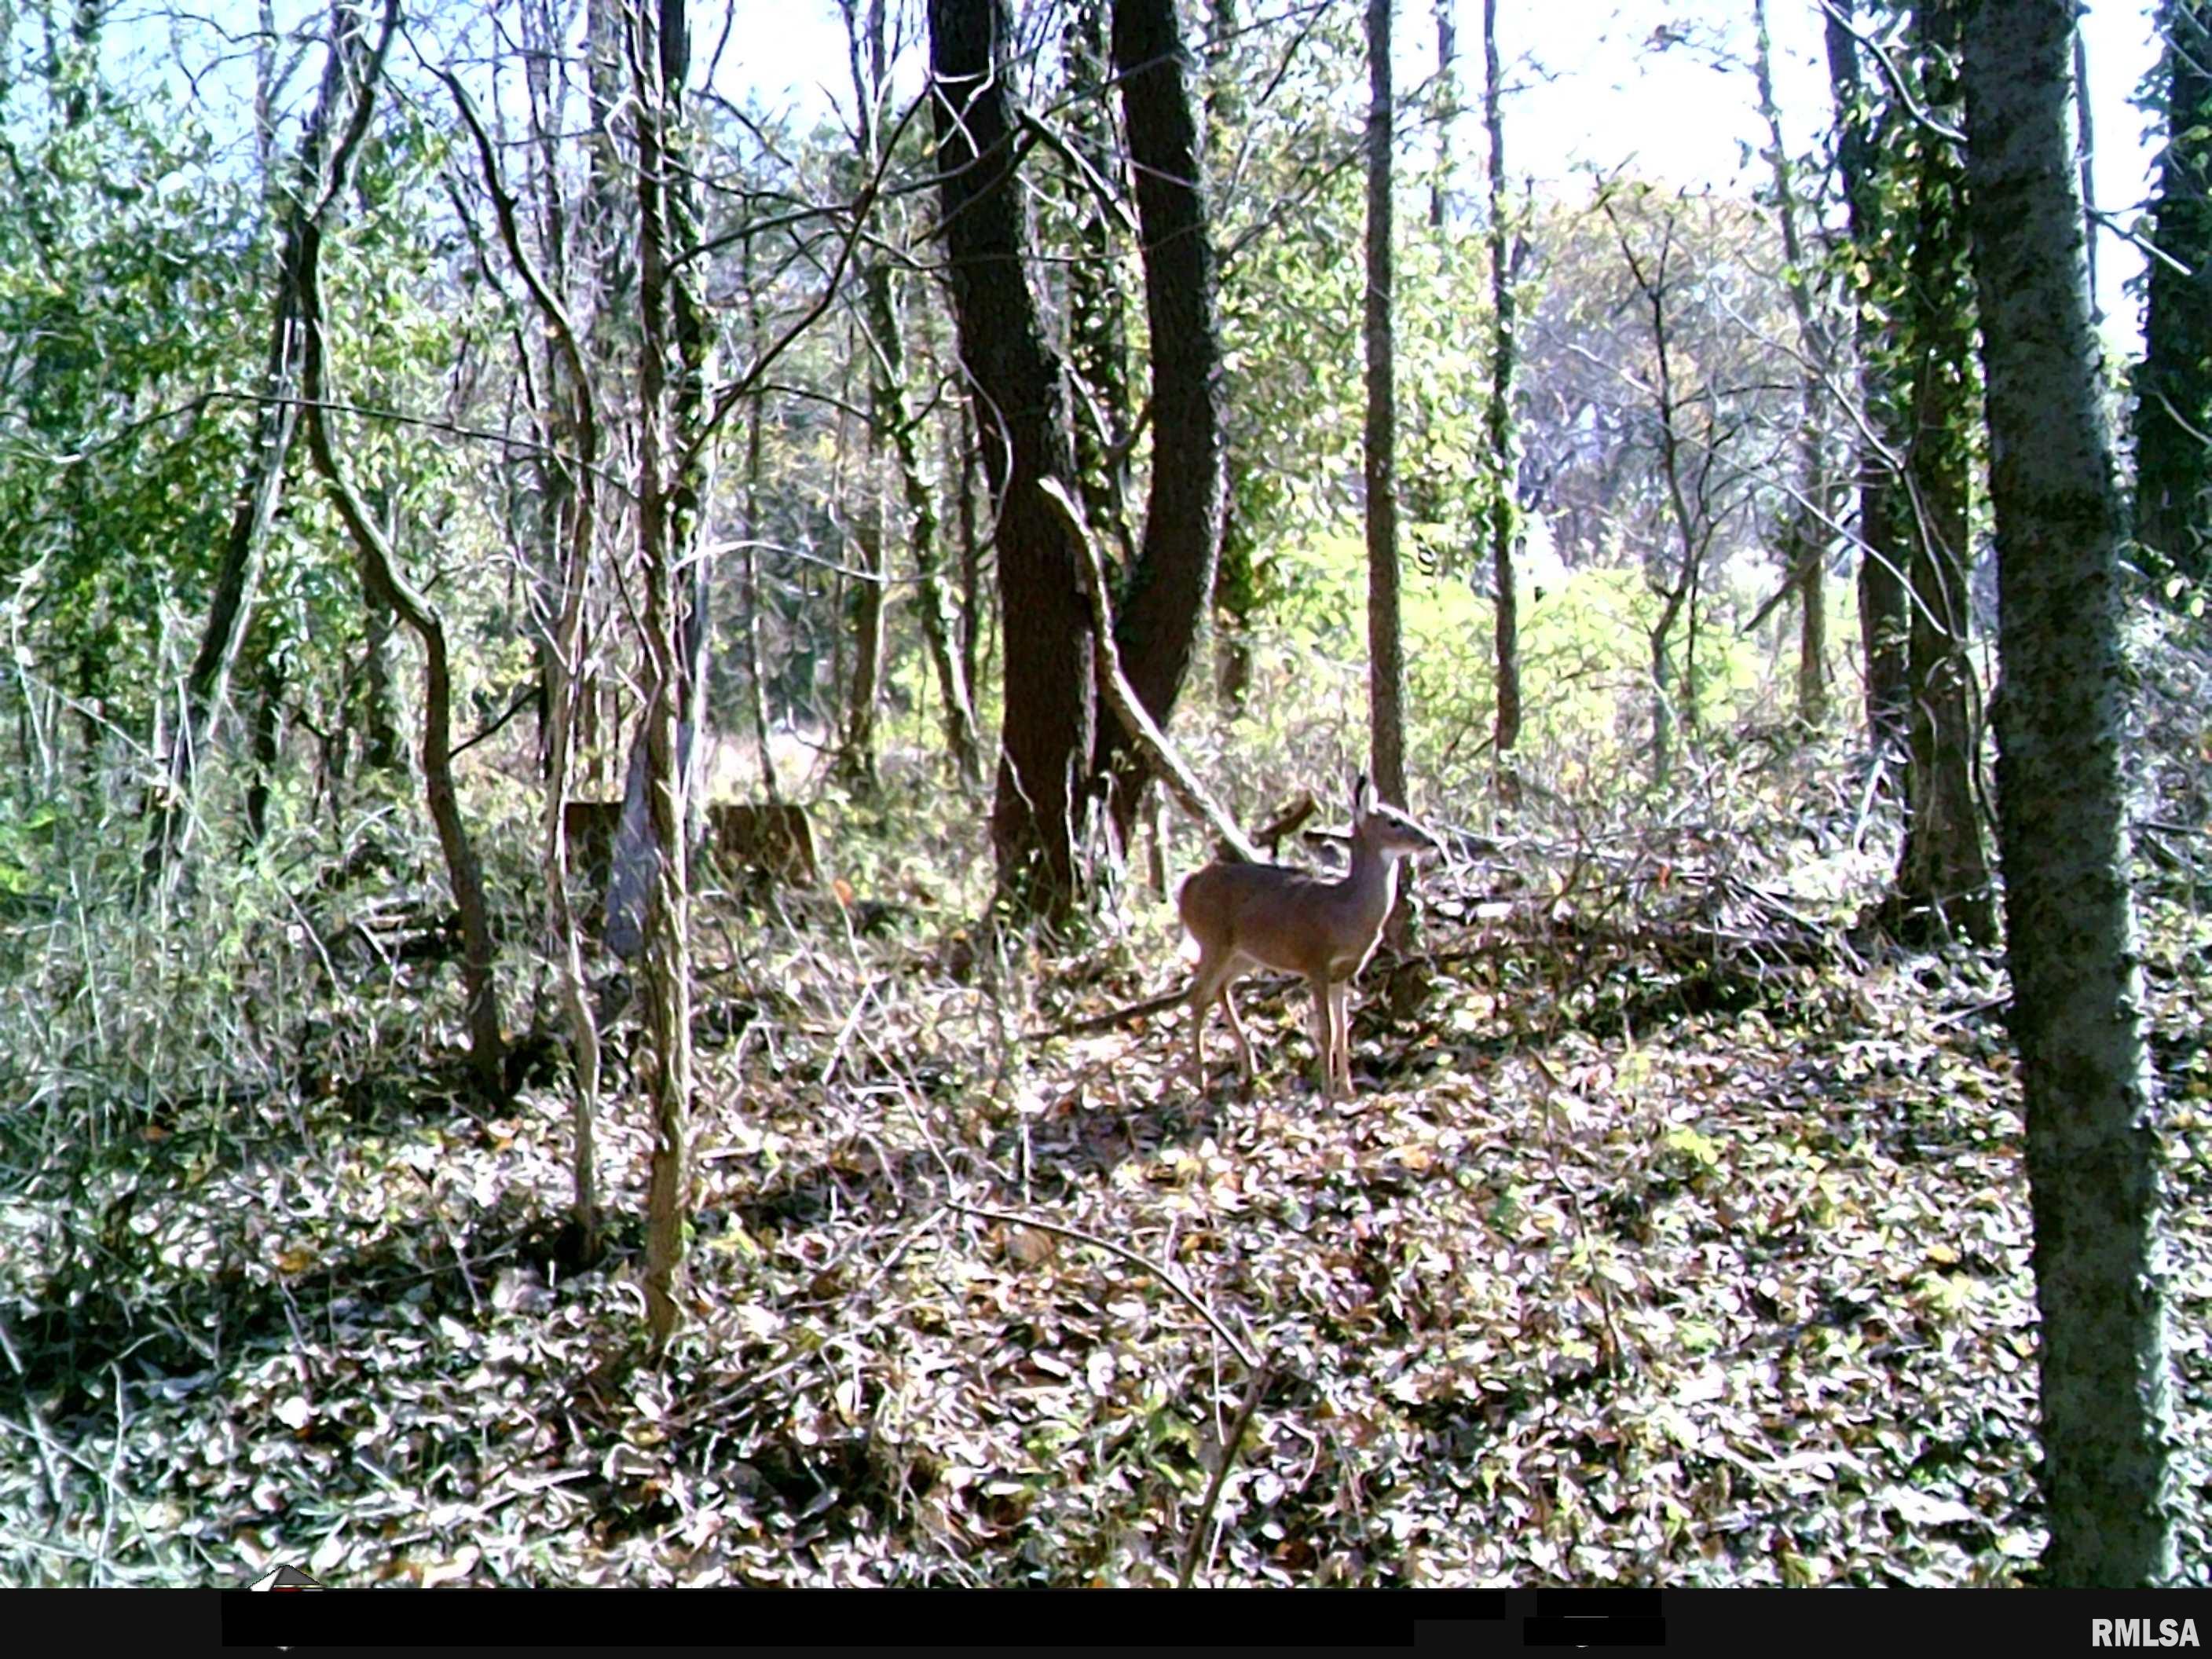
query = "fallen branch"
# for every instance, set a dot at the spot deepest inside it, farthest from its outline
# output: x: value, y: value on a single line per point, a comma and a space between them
x: 1152, y: 743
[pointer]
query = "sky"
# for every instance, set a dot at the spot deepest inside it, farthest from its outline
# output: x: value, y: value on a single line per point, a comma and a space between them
x: 1588, y: 92
x: 1587, y: 89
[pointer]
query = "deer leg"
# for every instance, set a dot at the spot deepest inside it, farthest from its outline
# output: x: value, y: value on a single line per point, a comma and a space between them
x: 1210, y: 984
x: 1324, y: 1037
x: 1236, y: 1028
x: 1340, y: 1022
x: 1204, y: 982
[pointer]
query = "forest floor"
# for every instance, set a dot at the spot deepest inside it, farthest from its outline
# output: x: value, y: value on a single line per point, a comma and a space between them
x: 1671, y: 1239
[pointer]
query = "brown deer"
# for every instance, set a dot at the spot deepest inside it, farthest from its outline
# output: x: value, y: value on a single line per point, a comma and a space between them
x: 1296, y: 921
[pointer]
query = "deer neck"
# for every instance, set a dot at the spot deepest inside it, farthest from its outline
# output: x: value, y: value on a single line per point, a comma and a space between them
x: 1371, y: 883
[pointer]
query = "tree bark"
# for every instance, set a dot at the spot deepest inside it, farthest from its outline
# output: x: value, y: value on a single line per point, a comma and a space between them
x: 1156, y: 633
x: 670, y: 389
x: 1098, y: 326
x: 2173, y: 386
x: 1497, y: 415
x: 2093, y: 1152
x: 487, y: 1047
x: 1943, y: 873
x: 856, y: 751
x: 892, y: 412
x: 1386, y: 659
x: 1882, y: 556
x: 567, y: 691
x: 1806, y: 540
x: 327, y: 150
x: 1020, y: 400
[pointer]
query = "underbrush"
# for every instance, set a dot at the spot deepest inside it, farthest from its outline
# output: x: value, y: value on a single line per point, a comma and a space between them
x: 1678, y: 1236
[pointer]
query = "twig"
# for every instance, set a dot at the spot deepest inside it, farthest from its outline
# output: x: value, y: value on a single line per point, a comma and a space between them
x: 1575, y: 1205
x: 1150, y: 740
x: 1261, y: 1377
x: 1109, y: 1020
x: 1166, y: 1274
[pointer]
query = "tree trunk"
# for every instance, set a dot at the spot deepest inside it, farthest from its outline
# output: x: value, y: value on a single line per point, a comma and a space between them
x: 2093, y: 1143
x: 960, y: 464
x: 671, y: 392
x: 377, y: 702
x: 893, y: 416
x: 757, y: 687
x: 2173, y: 386
x: 1505, y: 462
x: 1386, y: 662
x: 1097, y: 332
x: 1020, y: 401
x: 487, y: 1048
x: 327, y: 148
x: 856, y: 757
x: 1447, y: 106
x: 1943, y: 873
x: 568, y: 693
x: 1806, y: 540
x: 1688, y: 484
x: 1156, y: 632
x: 1883, y: 557
x: 268, y: 734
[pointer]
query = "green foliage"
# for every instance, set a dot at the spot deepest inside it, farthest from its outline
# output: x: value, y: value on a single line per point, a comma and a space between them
x: 127, y: 269
x: 1583, y: 641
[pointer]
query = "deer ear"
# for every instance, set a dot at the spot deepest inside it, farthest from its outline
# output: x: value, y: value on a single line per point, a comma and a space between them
x: 1362, y: 794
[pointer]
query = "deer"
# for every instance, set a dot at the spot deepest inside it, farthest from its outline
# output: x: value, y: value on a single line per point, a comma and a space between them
x: 1241, y: 915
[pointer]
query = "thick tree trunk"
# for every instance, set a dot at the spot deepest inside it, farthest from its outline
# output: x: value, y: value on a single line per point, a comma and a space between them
x: 1156, y: 632
x: 1020, y: 400
x: 2092, y: 1150
x: 1943, y: 873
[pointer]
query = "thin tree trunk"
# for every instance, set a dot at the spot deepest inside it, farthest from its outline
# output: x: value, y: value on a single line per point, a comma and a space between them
x: 749, y: 572
x: 1498, y: 419
x: 1883, y: 557
x: 671, y: 388
x: 268, y: 728
x: 2093, y: 1140
x: 1386, y: 665
x: 327, y: 149
x: 568, y: 693
x: 1806, y: 540
x: 895, y: 415
x: 1447, y: 100
x: 487, y: 1048
x: 892, y: 415
x: 1097, y: 332
x: 856, y: 746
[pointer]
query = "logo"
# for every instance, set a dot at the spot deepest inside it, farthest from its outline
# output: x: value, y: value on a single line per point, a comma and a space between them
x: 281, y: 1578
